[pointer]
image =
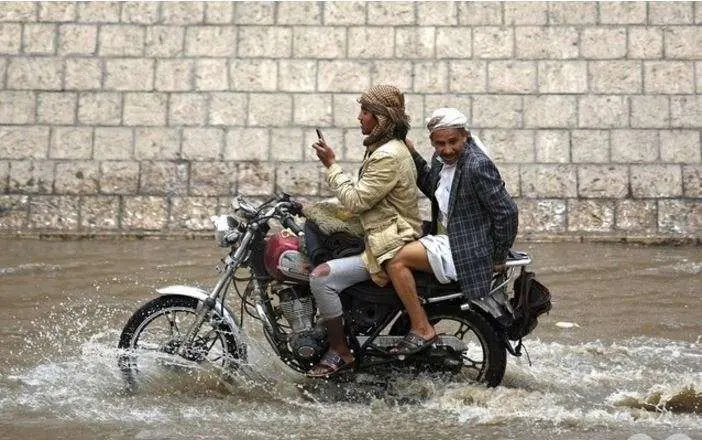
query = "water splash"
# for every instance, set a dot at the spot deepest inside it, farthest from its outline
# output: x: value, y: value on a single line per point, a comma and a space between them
x: 73, y: 375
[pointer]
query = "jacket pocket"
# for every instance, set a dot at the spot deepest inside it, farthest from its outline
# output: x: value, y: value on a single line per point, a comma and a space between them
x: 384, y: 238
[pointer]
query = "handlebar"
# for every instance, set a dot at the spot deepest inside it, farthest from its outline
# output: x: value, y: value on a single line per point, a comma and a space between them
x: 292, y: 206
x: 284, y: 208
x: 289, y: 223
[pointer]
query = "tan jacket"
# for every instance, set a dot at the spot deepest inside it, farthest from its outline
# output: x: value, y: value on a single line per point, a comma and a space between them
x: 385, y: 198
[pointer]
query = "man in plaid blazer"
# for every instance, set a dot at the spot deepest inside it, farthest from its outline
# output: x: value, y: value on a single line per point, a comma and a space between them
x: 474, y: 219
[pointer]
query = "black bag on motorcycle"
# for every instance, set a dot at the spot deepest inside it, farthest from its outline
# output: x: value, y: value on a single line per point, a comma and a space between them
x: 321, y: 247
x: 531, y: 299
x: 331, y: 231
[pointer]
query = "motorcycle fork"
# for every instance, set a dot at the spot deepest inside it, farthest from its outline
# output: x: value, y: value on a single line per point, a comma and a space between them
x: 230, y: 265
x: 204, y: 309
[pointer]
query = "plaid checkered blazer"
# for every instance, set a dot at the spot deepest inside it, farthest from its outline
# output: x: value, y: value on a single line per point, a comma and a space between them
x: 482, y: 217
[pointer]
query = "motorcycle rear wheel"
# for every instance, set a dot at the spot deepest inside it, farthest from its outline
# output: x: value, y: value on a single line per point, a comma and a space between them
x: 156, y: 331
x: 485, y: 359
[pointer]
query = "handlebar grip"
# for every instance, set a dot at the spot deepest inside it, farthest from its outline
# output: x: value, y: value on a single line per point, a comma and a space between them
x: 289, y: 223
x: 296, y: 207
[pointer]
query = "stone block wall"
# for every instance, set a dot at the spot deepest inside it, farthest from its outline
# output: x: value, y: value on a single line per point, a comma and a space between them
x: 133, y: 117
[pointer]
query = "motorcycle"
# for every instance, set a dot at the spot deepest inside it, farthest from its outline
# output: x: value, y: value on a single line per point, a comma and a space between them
x: 191, y: 325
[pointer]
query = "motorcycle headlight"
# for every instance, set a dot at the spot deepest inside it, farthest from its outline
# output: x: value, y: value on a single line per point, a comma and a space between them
x: 226, y: 230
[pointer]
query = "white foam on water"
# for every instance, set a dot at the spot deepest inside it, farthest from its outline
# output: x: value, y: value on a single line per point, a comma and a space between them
x: 578, y: 385
x: 685, y: 267
x: 178, y: 263
x: 30, y: 267
x: 76, y: 377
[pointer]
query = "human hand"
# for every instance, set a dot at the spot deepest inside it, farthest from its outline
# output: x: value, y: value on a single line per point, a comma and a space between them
x: 499, y: 267
x: 410, y: 144
x: 324, y: 152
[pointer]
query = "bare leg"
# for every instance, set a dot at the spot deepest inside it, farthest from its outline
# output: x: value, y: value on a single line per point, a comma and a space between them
x: 413, y: 256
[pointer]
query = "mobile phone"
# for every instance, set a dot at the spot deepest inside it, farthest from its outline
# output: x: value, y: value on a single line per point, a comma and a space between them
x: 319, y: 134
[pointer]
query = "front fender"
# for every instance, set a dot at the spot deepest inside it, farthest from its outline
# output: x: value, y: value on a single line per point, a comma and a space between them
x: 202, y: 295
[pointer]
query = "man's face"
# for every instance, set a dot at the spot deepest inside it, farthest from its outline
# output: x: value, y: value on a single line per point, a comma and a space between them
x: 368, y: 121
x: 449, y: 143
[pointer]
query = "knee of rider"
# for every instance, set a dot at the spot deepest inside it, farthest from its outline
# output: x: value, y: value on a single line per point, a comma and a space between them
x: 318, y: 278
x: 394, y: 265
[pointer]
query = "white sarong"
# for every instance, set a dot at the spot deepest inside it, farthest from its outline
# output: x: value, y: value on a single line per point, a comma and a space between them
x: 440, y: 259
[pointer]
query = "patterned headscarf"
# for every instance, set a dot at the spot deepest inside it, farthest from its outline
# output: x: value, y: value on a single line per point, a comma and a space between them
x: 387, y: 103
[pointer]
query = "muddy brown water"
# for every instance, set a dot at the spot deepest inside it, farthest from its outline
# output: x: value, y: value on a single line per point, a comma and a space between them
x: 626, y: 327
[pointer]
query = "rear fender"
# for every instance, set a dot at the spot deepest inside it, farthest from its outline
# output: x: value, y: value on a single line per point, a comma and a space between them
x: 202, y: 295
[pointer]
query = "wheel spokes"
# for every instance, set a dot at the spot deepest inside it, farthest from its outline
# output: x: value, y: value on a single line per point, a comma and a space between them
x: 170, y: 315
x: 163, y: 333
x: 470, y: 363
x: 473, y: 355
x: 462, y: 330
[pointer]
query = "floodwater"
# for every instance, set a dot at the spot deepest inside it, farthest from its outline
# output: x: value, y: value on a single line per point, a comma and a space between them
x: 626, y: 329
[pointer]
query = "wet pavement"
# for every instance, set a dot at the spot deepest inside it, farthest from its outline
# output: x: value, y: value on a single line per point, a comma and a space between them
x: 625, y: 332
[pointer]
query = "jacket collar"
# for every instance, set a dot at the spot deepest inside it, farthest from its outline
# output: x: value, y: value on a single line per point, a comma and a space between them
x: 457, y: 178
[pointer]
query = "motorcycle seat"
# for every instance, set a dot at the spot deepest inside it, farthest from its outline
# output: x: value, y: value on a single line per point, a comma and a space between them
x: 427, y: 287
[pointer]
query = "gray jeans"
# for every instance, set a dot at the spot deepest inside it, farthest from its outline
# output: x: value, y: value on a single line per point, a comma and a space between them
x: 343, y: 272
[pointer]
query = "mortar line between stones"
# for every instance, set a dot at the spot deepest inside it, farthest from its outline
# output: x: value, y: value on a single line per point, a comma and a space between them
x: 577, y: 182
x: 647, y: 18
x: 28, y: 210
x: 658, y: 146
x: 3, y: 78
x: 54, y: 166
x: 23, y: 38
x: 8, y: 178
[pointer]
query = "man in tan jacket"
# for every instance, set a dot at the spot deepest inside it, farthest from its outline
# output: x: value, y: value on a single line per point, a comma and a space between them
x: 385, y: 199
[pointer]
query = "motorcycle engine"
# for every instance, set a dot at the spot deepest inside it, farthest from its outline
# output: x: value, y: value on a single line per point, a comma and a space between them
x: 307, y: 343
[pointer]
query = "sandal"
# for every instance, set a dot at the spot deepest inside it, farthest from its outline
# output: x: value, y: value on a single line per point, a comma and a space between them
x: 331, y: 364
x: 412, y: 343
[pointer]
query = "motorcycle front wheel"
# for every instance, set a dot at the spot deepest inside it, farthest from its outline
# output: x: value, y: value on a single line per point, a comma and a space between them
x: 155, y: 333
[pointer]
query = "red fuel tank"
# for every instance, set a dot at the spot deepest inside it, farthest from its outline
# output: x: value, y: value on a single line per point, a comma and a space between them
x: 283, y: 259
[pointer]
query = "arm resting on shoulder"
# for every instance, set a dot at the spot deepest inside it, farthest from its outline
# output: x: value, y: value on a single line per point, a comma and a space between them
x: 423, y: 168
x: 379, y: 177
x: 503, y: 210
